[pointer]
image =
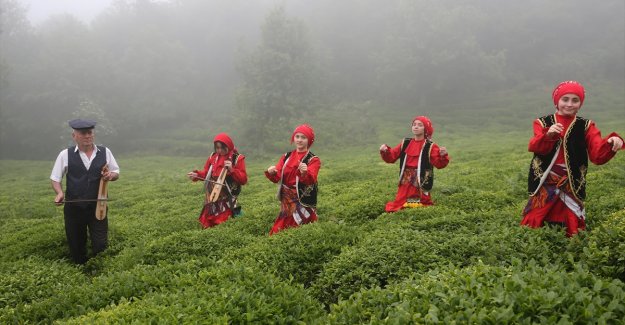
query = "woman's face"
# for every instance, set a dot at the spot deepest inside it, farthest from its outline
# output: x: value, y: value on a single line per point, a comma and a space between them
x: 220, y: 148
x: 418, y: 129
x: 569, y: 104
x: 300, y: 141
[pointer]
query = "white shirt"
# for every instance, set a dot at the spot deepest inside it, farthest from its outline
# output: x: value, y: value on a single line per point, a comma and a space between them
x: 60, y: 165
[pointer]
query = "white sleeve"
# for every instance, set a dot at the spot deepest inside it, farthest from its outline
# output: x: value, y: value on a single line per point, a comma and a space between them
x: 110, y: 160
x: 60, y: 167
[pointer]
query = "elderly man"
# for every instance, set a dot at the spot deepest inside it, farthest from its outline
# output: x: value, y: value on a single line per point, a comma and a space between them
x: 83, y: 164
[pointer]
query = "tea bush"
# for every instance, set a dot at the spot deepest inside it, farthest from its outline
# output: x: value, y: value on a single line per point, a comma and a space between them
x: 383, y: 256
x: 22, y: 238
x: 225, y: 294
x: 464, y: 260
x: 519, y: 294
x: 395, y: 252
x: 180, y: 246
x: 80, y: 297
x: 297, y: 255
x: 605, y: 253
x: 31, y: 279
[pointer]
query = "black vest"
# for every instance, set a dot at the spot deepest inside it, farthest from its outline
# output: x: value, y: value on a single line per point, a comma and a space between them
x: 235, y: 188
x: 307, y: 193
x: 426, y: 175
x: 575, y: 157
x: 83, y: 184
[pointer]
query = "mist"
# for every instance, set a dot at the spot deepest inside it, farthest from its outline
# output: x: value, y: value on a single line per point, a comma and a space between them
x: 40, y: 10
x: 164, y: 77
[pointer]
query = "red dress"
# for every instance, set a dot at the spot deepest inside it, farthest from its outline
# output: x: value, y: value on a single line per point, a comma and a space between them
x: 547, y: 205
x: 408, y: 187
x: 292, y: 212
x: 217, y: 212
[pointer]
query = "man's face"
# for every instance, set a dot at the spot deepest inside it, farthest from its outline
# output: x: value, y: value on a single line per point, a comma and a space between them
x: 83, y: 137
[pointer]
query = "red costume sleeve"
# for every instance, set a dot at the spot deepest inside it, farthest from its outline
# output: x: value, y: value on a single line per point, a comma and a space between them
x: 201, y: 174
x: 276, y: 177
x: 540, y: 143
x: 436, y: 159
x: 392, y: 154
x: 311, y: 175
x: 238, y: 172
x: 599, y: 150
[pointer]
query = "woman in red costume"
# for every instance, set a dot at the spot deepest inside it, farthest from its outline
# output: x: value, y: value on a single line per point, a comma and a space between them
x: 296, y: 173
x: 225, y: 156
x: 417, y: 156
x: 562, y: 145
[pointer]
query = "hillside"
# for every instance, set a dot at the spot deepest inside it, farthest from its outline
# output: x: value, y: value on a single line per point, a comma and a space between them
x: 465, y: 259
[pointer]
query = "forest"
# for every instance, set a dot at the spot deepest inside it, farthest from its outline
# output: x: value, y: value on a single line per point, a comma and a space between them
x: 164, y: 76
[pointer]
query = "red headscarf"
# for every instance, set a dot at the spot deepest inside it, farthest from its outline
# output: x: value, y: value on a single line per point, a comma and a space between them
x: 306, y: 130
x: 429, y: 129
x: 568, y: 87
x: 226, y: 140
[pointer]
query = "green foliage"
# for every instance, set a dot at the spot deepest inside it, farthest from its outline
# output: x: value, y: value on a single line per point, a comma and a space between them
x: 362, y: 193
x: 297, y: 255
x: 605, y: 253
x: 277, y: 80
x: 40, y: 237
x: 381, y: 257
x: 29, y: 280
x: 521, y: 293
x: 399, y: 248
x: 465, y: 259
x: 181, y: 246
x: 185, y: 65
x: 227, y: 293
x: 76, y: 298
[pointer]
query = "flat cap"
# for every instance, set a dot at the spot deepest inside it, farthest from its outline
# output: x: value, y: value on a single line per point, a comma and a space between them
x: 80, y: 124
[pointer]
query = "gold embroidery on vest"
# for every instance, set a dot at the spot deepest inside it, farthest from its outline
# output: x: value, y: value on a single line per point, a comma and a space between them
x: 582, y: 178
x: 538, y: 172
x: 308, y: 190
x: 427, y: 176
x: 567, y: 160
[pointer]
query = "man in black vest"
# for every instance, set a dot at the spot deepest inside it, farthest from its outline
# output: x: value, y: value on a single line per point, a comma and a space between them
x: 83, y: 165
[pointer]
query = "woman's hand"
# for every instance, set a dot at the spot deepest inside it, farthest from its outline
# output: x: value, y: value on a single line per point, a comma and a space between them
x: 228, y: 165
x: 383, y: 148
x: 555, y: 130
x: 443, y: 151
x: 192, y: 175
x: 272, y: 170
x: 303, y: 168
x: 616, y: 143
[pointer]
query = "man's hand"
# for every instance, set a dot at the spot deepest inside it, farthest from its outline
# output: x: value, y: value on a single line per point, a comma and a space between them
x: 110, y: 176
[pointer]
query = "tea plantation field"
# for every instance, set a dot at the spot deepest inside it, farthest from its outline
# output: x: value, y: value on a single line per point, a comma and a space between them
x: 464, y: 260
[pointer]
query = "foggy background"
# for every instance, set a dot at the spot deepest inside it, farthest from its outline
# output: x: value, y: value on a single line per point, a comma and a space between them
x: 165, y: 77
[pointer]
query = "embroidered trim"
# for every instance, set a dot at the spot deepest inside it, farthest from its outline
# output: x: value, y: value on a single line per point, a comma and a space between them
x: 567, y: 160
x: 538, y: 173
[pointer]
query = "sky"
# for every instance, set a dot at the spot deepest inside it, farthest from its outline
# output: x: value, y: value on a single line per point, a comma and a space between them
x: 85, y: 10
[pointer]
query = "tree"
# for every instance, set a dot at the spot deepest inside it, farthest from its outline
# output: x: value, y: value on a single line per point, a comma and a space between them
x: 18, y: 46
x: 276, y: 80
x: 433, y: 52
